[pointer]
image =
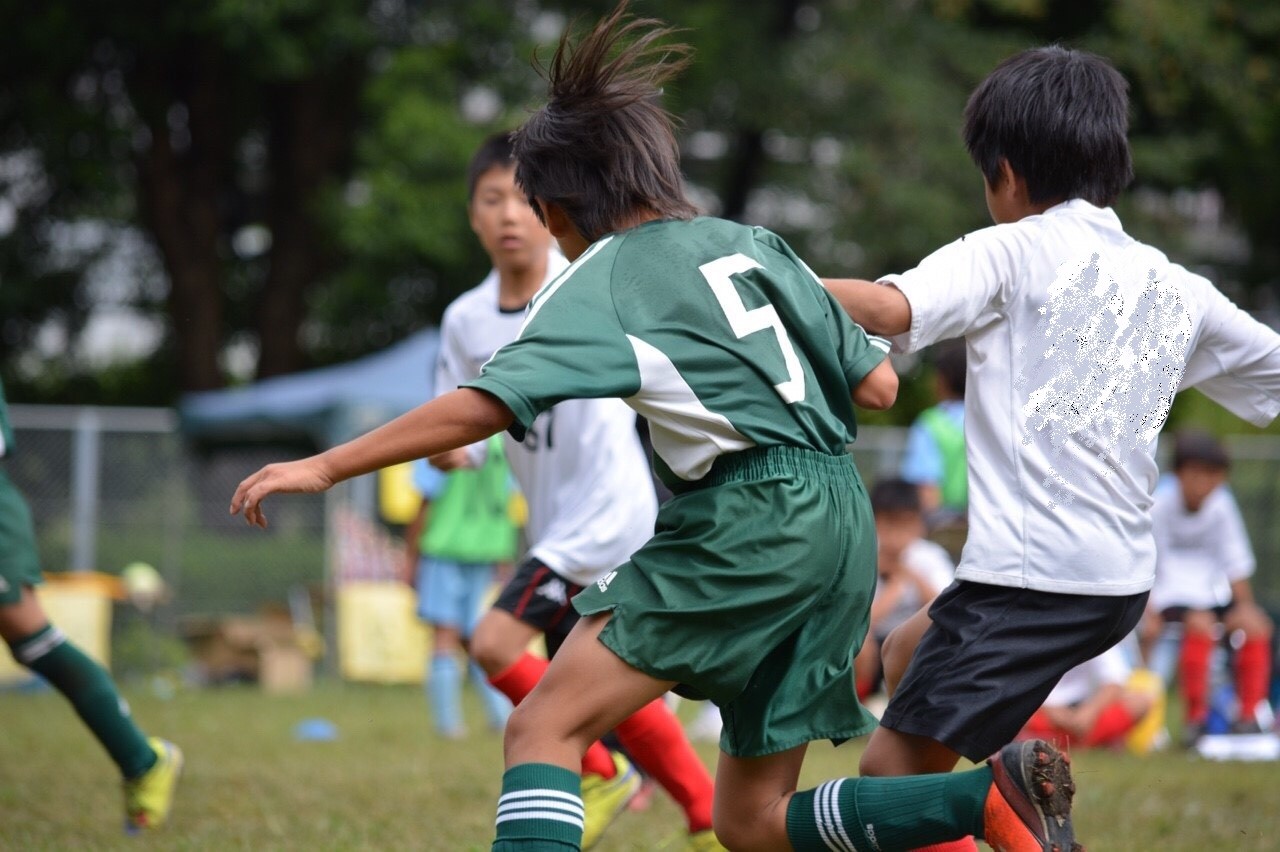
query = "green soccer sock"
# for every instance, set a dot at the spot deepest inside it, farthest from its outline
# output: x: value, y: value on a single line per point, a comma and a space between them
x: 871, y: 814
x: 540, y: 809
x: 89, y: 688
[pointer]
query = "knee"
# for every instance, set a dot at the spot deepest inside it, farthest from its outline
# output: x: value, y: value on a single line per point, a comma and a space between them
x: 743, y: 834
x: 489, y: 648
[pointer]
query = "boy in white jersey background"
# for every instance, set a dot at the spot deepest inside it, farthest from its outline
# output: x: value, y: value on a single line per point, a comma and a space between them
x: 755, y: 588
x: 1203, y: 564
x: 590, y: 496
x: 1078, y: 338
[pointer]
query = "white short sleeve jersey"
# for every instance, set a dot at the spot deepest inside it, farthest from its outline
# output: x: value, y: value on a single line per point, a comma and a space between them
x: 1198, y: 554
x: 1109, y: 667
x: 1078, y: 337
x: 581, y: 467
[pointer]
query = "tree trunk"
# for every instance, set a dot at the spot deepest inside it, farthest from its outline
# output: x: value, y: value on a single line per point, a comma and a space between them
x: 178, y: 198
x: 311, y: 132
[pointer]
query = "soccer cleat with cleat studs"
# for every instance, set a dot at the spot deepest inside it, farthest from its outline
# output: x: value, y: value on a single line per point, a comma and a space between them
x: 1028, y: 807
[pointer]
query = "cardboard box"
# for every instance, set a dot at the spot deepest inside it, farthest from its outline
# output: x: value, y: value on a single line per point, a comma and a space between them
x: 265, y: 649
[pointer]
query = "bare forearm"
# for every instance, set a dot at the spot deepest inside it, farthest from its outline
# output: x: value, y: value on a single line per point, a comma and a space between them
x: 455, y: 419
x: 879, y: 308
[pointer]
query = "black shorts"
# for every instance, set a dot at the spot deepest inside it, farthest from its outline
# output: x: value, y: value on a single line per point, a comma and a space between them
x: 540, y: 597
x: 1179, y: 613
x: 992, y: 656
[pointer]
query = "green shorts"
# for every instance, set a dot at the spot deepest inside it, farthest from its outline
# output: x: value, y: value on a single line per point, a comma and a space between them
x: 755, y: 592
x: 19, y: 564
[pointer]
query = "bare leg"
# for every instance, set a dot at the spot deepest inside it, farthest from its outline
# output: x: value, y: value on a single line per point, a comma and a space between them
x: 752, y: 794
x: 586, y: 691
x: 900, y: 645
x: 890, y: 752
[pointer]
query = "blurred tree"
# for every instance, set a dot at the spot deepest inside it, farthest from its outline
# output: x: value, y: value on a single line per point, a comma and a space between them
x: 296, y: 166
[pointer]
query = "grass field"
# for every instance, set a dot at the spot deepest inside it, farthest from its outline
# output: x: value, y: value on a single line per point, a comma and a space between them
x: 387, y: 783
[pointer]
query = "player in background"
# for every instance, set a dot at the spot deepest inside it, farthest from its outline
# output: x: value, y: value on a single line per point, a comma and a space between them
x: 1102, y: 703
x: 149, y: 767
x: 591, y: 504
x: 755, y: 588
x: 935, y: 457
x: 910, y: 572
x: 1203, y: 564
x: 1078, y: 338
x: 460, y: 534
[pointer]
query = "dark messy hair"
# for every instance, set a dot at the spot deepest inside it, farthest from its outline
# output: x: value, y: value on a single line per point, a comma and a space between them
x: 895, y: 495
x: 603, y: 147
x: 1199, y: 448
x: 1061, y: 119
x: 494, y: 151
x: 951, y: 363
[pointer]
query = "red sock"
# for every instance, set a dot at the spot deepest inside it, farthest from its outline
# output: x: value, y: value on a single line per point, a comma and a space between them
x: 1039, y: 727
x: 1253, y: 670
x: 654, y: 739
x: 1112, y: 723
x: 1193, y: 671
x: 864, y: 686
x: 965, y: 845
x: 518, y: 680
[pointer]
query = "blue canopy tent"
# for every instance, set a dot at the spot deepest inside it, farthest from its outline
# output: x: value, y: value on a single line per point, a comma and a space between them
x: 327, y: 405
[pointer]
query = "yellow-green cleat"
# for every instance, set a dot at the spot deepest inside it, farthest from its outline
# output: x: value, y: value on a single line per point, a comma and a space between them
x: 603, y: 799
x: 148, y: 798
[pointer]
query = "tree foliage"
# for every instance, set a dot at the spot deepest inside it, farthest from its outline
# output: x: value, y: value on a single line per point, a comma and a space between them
x: 284, y: 178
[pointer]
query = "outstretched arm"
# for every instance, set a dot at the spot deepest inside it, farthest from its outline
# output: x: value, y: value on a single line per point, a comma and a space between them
x: 455, y: 419
x: 878, y: 308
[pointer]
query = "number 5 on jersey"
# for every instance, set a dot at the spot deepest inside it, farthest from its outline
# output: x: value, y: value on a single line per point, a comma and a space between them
x: 743, y: 322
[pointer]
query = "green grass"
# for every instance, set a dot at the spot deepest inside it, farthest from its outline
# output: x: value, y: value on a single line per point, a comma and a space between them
x: 388, y: 783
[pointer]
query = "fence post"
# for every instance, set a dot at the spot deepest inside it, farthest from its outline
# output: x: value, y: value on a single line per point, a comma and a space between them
x: 86, y: 464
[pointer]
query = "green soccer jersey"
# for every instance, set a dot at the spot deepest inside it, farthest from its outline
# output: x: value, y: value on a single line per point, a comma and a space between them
x: 714, y: 331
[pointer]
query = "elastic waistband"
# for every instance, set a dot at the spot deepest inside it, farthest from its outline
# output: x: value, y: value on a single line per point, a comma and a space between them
x: 766, y: 462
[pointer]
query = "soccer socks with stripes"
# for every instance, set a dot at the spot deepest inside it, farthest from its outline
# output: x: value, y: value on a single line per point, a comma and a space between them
x: 519, y: 679
x: 654, y: 739
x: 540, y: 809
x: 869, y: 814
x: 92, y: 693
x: 1193, y: 673
x: 444, y: 687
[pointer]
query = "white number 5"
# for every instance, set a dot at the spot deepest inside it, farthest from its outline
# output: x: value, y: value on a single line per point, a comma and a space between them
x: 744, y: 322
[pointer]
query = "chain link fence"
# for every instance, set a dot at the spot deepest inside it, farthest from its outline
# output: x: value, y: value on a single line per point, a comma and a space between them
x: 111, y: 486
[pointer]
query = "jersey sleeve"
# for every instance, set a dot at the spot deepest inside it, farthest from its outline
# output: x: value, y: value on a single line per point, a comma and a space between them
x: 1236, y: 361
x: 572, y: 346
x: 962, y: 286
x: 859, y: 352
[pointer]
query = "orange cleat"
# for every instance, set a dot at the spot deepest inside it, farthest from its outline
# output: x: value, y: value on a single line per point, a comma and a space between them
x: 1028, y: 808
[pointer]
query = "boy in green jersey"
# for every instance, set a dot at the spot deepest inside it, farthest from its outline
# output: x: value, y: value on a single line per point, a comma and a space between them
x: 755, y: 588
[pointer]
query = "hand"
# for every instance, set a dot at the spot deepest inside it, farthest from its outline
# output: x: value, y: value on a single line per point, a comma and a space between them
x: 305, y: 476
x: 451, y: 460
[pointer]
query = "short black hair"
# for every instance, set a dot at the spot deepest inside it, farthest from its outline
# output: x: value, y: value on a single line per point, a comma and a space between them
x: 1061, y: 119
x: 603, y: 146
x: 494, y: 151
x: 895, y: 495
x: 1193, y: 447
x: 951, y: 363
